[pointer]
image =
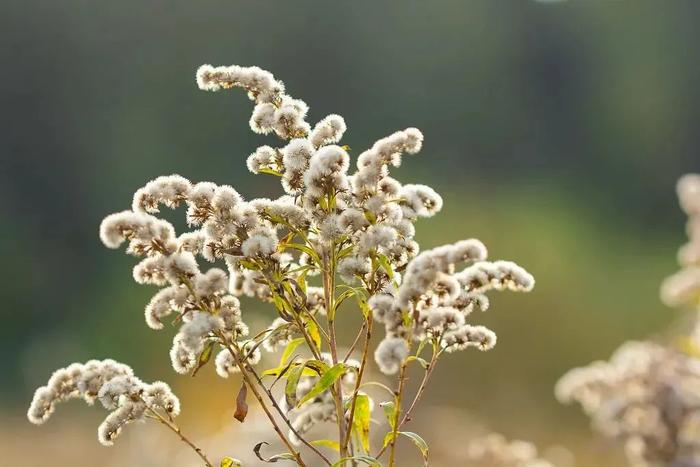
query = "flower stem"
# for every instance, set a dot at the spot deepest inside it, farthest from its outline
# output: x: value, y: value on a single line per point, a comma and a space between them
x: 176, y: 429
x: 264, y: 406
x: 394, y: 432
x: 360, y: 374
x: 329, y: 297
x: 421, y: 389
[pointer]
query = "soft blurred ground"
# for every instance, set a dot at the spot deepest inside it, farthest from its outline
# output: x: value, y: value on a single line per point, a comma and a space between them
x: 555, y: 132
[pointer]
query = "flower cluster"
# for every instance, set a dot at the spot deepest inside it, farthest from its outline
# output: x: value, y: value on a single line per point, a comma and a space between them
x: 646, y: 395
x: 683, y: 288
x: 440, y: 299
x: 201, y: 300
x: 114, y: 385
x: 334, y: 233
x: 496, y: 451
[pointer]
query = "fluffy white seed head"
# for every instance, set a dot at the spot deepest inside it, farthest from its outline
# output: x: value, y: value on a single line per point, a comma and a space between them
x: 390, y: 354
x: 330, y: 130
x: 263, y: 158
x: 688, y: 189
x: 114, y: 384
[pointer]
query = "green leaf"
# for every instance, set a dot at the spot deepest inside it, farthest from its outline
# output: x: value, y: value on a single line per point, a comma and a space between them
x: 313, y: 368
x: 419, y: 442
x: 388, y: 438
x: 269, y: 172
x: 306, y: 249
x: 386, y: 265
x: 361, y: 420
x: 323, y: 203
x: 316, y: 365
x: 420, y: 360
x: 290, y: 389
x: 369, y: 460
x: 291, y: 347
x: 364, y: 307
x: 421, y: 346
x: 204, y: 357
x: 345, y: 251
x: 301, y: 279
x: 314, y: 333
x: 248, y: 264
x: 379, y: 385
x: 341, y: 298
x: 279, y: 303
x: 327, y: 379
x: 275, y: 458
x: 283, y: 373
x: 327, y: 443
x: 230, y: 462
x: 389, y: 409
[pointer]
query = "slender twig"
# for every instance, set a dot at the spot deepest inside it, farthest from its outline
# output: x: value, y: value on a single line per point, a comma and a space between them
x: 258, y: 396
x: 285, y: 418
x: 176, y: 429
x: 394, y: 432
x: 328, y: 293
x: 355, y: 342
x: 421, y: 389
x: 360, y: 374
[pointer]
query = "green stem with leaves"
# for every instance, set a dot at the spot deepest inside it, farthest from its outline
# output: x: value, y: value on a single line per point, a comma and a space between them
x: 258, y: 396
x: 419, y: 393
x: 395, y: 423
x: 328, y: 271
x: 360, y: 374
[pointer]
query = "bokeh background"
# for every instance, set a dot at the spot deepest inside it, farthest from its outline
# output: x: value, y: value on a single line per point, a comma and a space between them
x: 554, y: 130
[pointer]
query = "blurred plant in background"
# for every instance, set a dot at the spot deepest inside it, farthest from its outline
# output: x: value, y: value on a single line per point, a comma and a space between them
x: 648, y: 394
x: 495, y: 451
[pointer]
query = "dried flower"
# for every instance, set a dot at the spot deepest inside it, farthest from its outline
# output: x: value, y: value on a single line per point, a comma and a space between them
x: 353, y: 225
x: 114, y: 384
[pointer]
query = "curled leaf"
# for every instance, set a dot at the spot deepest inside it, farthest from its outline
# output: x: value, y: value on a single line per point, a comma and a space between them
x: 420, y: 444
x: 277, y: 457
x: 204, y: 356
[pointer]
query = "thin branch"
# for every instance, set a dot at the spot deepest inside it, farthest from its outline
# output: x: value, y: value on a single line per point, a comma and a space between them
x: 355, y: 342
x: 421, y: 389
x: 255, y: 391
x: 360, y: 374
x: 176, y: 429
x: 329, y: 296
x: 285, y: 418
x: 394, y: 432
